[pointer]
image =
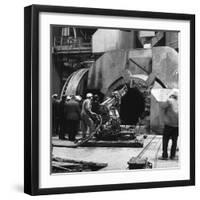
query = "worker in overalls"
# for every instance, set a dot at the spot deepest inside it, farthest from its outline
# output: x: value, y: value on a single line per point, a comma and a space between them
x: 171, y: 124
x: 87, y: 115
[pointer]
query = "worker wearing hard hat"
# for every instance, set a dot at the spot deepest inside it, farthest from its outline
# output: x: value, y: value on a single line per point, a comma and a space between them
x: 170, y: 108
x: 87, y: 115
x: 72, y: 117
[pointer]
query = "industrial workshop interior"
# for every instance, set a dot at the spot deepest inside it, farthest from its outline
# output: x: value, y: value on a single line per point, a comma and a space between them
x: 114, y: 99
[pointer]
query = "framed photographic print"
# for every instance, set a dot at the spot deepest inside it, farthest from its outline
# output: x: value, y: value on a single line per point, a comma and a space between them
x: 109, y: 99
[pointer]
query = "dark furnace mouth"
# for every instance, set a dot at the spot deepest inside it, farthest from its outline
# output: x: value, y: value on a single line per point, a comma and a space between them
x: 132, y: 106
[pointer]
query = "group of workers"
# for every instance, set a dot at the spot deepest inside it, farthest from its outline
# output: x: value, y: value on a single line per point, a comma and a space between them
x: 70, y: 113
x: 71, y: 110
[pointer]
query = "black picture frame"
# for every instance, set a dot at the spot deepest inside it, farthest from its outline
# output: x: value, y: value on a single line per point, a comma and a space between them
x: 31, y: 98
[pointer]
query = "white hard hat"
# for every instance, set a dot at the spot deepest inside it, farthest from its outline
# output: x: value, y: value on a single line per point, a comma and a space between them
x: 89, y: 95
x: 78, y: 98
x: 68, y: 98
x: 54, y: 96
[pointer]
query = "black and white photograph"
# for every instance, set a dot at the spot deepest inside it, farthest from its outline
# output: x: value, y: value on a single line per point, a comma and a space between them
x: 114, y: 99
x: 109, y: 100
x: 98, y: 100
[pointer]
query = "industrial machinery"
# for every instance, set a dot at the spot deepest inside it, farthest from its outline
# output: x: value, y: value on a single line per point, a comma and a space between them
x: 108, y: 122
x: 109, y: 112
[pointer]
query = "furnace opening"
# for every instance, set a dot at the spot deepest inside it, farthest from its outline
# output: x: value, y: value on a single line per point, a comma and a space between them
x: 132, y: 106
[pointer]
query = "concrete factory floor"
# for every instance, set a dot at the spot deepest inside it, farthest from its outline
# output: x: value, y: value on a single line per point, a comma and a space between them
x: 116, y: 157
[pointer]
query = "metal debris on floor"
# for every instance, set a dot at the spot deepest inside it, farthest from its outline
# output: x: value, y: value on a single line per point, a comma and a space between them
x: 60, y: 165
